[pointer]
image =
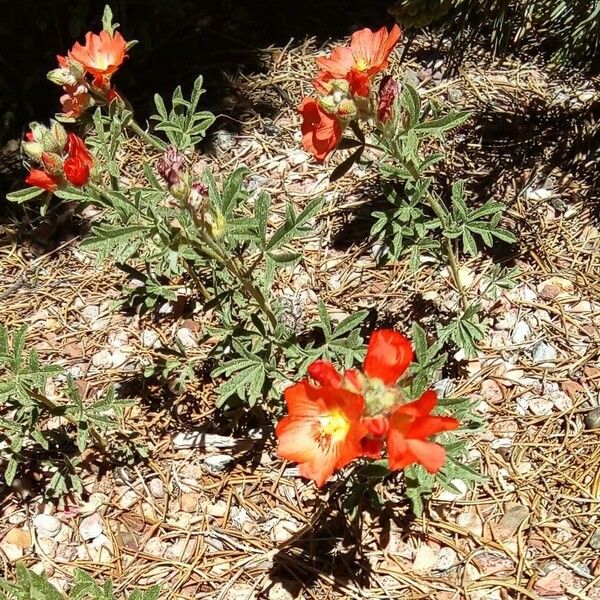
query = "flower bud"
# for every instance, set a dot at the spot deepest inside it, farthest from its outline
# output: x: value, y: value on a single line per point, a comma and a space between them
x: 33, y: 150
x: 328, y: 104
x: 53, y: 163
x: 37, y: 132
x: 170, y: 166
x: 197, y: 196
x: 62, y: 77
x: 218, y: 226
x: 59, y: 133
x: 388, y: 91
x: 347, y: 110
x: 341, y: 85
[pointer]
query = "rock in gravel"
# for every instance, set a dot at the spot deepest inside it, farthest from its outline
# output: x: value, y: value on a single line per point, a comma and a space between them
x: 280, y: 590
x: 101, y: 550
x: 156, y: 547
x: 19, y: 537
x: 149, y: 338
x: 218, y: 509
x: 595, y: 540
x: 11, y: 551
x: 471, y: 522
x: 186, y: 338
x: 592, y: 419
x: 540, y: 406
x: 555, y: 582
x: 520, y: 332
x: 425, y: 559
x: 511, y: 521
x: 128, y: 499
x: 189, y: 502
x: 208, y: 441
x: 218, y: 462
x: 241, y: 591
x: 284, y: 530
x: 450, y: 496
x: 156, y: 488
x: 544, y: 353
x: 182, y: 549
x: 491, y: 391
x: 91, y: 527
x: 47, y: 526
x: 102, y: 359
x: 447, y: 558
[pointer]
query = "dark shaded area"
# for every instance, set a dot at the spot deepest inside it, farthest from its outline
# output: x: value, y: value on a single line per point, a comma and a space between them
x: 178, y: 40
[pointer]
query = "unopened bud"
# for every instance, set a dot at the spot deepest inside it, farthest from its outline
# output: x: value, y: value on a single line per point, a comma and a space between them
x: 341, y: 85
x: 33, y: 150
x: 61, y: 77
x: 347, y: 110
x: 59, y: 133
x: 219, y: 226
x: 170, y: 166
x: 37, y: 132
x: 328, y: 104
x: 180, y: 190
x: 388, y: 91
x: 53, y: 163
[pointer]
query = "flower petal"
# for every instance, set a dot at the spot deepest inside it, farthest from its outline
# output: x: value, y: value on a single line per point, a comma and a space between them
x: 323, y: 372
x: 389, y: 354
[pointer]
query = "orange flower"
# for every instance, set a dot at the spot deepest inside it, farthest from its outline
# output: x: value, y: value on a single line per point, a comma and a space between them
x: 79, y: 162
x: 410, y: 426
x: 321, y: 132
x: 101, y: 55
x: 41, y: 179
x: 367, y: 55
x: 322, y: 431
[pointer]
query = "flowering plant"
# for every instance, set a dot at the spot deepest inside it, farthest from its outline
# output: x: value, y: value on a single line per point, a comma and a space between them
x: 418, y: 220
x: 339, y: 417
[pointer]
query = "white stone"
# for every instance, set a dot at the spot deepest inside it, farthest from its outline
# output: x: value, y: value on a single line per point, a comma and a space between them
x: 540, y: 406
x: 284, y: 530
x: 156, y: 547
x: 471, y: 522
x: 149, y: 338
x: 520, y: 332
x: 11, y: 551
x: 539, y: 194
x: 186, y: 338
x: 102, y: 359
x: 91, y: 527
x: 118, y: 359
x: 297, y: 158
x: 218, y: 462
x: 425, y: 559
x: 47, y: 526
x: 218, y: 509
x: 101, y: 550
x: 450, y: 496
x: 561, y: 400
x: 156, y: 488
x: 447, y: 558
x: 128, y: 499
x: 544, y: 353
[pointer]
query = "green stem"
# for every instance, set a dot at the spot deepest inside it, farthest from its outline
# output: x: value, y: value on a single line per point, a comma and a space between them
x: 53, y: 408
x: 447, y: 248
x: 153, y: 141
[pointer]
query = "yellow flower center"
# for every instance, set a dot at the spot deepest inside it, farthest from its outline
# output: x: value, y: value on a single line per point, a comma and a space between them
x: 361, y: 64
x: 334, y: 425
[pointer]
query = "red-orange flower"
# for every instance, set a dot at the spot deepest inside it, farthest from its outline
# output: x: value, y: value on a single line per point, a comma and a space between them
x: 367, y: 55
x: 410, y: 427
x: 321, y: 132
x: 322, y: 431
x: 41, y: 179
x: 101, y: 55
x: 79, y: 162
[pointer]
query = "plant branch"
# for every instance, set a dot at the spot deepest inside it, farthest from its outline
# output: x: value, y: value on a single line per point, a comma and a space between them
x: 152, y: 140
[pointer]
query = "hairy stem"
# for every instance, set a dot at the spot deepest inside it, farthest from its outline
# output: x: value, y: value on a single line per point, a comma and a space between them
x: 153, y: 141
x: 447, y: 248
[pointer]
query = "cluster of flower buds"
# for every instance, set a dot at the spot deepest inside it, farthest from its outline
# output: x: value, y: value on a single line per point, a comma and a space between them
x: 344, y: 87
x: 85, y: 73
x: 62, y: 157
x: 171, y: 168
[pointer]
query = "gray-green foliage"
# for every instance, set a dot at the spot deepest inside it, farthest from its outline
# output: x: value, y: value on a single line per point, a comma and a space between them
x: 218, y: 237
x: 30, y: 586
x: 25, y: 411
x: 418, y: 221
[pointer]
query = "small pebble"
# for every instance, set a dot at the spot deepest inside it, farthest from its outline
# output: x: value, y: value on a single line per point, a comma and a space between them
x: 156, y: 488
x: 47, y: 526
x: 218, y: 509
x: 471, y: 522
x: 450, y: 496
x: 520, y: 332
x: 446, y: 559
x: 425, y: 559
x: 592, y: 419
x: 189, y: 502
x: 543, y: 353
x: 595, y: 540
x: 218, y: 462
x: 91, y: 527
